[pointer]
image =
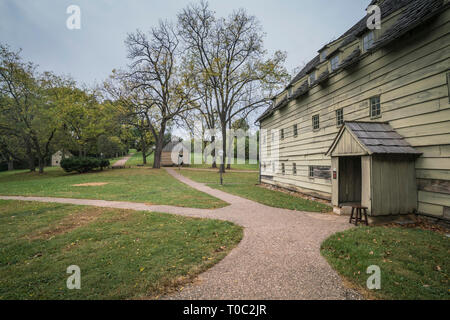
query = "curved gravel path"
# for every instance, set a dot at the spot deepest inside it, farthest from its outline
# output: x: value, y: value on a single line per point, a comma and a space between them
x: 120, y: 163
x: 278, y: 257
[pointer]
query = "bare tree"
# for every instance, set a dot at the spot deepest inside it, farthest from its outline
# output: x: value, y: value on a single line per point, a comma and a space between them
x: 229, y: 56
x: 155, y: 78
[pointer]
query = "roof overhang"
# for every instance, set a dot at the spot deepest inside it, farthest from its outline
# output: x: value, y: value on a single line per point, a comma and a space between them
x: 371, y: 138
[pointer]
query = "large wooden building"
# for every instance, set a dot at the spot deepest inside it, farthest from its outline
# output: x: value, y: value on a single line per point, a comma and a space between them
x: 368, y: 119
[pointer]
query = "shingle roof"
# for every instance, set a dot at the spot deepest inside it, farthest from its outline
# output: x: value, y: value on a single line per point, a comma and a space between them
x: 415, y: 13
x: 306, y: 69
x: 301, y: 90
x: 376, y: 138
x: 323, y: 76
x: 351, y: 59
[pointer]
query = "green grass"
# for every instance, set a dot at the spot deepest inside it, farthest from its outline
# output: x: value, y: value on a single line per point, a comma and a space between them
x: 122, y: 254
x: 414, y: 263
x: 234, y: 165
x: 136, y: 185
x: 245, y: 184
x: 136, y: 160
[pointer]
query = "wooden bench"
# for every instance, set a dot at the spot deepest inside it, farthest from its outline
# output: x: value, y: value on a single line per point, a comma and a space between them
x: 358, y: 218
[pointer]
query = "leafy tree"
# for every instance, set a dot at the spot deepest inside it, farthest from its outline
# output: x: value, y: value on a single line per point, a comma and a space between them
x: 159, y: 90
x: 27, y: 107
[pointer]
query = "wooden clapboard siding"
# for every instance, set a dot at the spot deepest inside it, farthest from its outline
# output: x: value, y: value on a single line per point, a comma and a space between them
x: 434, y: 185
x: 411, y: 78
x: 394, y: 186
x: 433, y: 174
x: 166, y: 159
x: 434, y: 198
x: 431, y: 209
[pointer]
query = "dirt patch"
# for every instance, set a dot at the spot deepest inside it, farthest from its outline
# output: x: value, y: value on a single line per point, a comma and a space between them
x: 91, y: 184
x: 69, y: 223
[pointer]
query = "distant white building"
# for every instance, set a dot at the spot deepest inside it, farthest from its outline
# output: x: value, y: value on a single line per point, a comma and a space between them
x: 58, y: 156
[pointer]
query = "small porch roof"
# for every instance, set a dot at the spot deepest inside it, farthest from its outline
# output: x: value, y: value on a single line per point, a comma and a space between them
x: 374, y: 138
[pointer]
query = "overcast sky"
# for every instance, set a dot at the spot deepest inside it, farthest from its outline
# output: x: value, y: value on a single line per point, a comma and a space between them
x: 299, y: 27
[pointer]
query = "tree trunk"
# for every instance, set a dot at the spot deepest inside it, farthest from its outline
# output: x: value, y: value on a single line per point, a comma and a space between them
x: 159, y: 146
x: 144, y: 152
x: 158, y: 152
x: 10, y: 165
x: 230, y: 140
x: 214, y: 162
x: 224, y: 146
x: 41, y: 164
x: 30, y: 156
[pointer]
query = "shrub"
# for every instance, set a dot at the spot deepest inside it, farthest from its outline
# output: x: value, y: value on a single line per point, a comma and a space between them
x: 83, y: 164
x: 104, y: 163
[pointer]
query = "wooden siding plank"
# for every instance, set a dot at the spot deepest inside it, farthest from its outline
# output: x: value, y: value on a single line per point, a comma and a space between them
x: 434, y: 198
x: 431, y: 209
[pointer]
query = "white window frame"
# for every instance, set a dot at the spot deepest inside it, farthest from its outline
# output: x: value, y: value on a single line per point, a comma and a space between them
x: 337, y: 117
x: 334, y: 61
x: 318, y: 122
x: 377, y: 107
x: 312, y: 77
x: 323, y: 55
x: 368, y: 40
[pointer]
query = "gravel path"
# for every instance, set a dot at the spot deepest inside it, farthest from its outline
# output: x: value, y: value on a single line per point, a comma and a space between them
x: 217, y: 170
x: 278, y: 258
x: 121, y: 163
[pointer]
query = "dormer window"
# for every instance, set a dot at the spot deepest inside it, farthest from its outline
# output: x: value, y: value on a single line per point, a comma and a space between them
x: 368, y: 40
x: 334, y: 62
x: 290, y: 92
x: 323, y: 55
x: 312, y: 78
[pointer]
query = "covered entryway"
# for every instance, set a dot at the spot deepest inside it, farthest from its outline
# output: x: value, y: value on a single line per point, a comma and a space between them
x: 373, y: 166
x: 350, y: 180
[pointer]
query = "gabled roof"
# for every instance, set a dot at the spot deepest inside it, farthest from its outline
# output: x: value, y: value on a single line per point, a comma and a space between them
x: 375, y: 138
x: 414, y: 13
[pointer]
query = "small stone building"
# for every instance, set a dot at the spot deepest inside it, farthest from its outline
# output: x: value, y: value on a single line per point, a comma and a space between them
x: 58, y: 156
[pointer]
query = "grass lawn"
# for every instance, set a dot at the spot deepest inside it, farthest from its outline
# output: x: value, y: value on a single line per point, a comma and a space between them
x: 122, y: 254
x: 244, y: 184
x: 234, y: 165
x: 136, y: 160
x: 136, y: 185
x: 414, y: 263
